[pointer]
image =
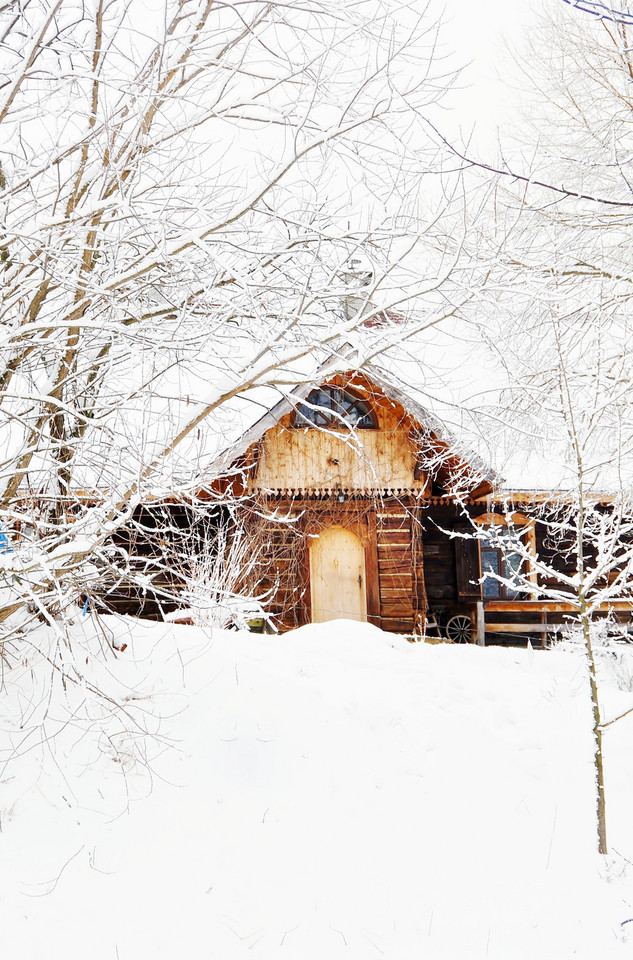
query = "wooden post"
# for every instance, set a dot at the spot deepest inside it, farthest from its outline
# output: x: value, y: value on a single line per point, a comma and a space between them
x: 481, y: 625
x: 371, y: 570
x: 420, y: 599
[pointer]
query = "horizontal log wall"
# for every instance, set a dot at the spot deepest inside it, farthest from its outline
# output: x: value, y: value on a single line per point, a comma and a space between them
x: 439, y: 556
x: 158, y: 544
x: 415, y: 559
x: 410, y: 563
x: 397, y: 588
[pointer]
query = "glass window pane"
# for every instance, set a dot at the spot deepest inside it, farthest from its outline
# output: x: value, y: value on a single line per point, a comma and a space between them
x: 513, y: 564
x: 359, y: 415
x: 339, y: 400
x: 321, y: 398
x: 307, y: 415
x: 304, y: 416
x: 365, y: 421
x: 490, y: 563
x: 500, y: 554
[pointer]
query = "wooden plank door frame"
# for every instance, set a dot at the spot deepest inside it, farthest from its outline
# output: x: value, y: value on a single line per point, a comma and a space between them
x: 364, y: 527
x: 371, y: 570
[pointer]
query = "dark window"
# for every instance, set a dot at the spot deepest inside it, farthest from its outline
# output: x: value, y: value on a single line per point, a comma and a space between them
x: 333, y: 407
x: 491, y: 563
x: 498, y: 559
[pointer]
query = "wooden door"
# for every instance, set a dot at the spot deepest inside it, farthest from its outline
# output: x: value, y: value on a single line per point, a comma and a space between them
x: 337, y: 576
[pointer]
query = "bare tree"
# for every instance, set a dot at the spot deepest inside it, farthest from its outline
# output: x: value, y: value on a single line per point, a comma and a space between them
x: 573, y: 142
x: 558, y: 330
x: 567, y: 400
x: 179, y: 196
x: 614, y: 13
x: 219, y: 572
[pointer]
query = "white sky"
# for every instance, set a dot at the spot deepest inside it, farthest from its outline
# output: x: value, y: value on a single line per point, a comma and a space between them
x: 482, y: 35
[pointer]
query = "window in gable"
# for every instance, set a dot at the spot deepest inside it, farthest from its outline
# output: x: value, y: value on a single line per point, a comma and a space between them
x: 334, y: 407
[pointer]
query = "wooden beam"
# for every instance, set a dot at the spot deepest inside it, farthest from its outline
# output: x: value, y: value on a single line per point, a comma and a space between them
x: 550, y: 606
x: 395, y: 625
x: 520, y: 628
x: 480, y: 619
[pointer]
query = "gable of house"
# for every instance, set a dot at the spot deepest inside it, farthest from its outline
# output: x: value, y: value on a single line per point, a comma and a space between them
x: 317, y: 443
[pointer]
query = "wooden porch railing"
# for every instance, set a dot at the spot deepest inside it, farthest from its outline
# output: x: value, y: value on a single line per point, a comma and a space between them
x: 542, y: 607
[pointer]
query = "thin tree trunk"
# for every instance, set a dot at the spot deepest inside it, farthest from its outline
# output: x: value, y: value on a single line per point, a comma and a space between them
x: 601, y: 809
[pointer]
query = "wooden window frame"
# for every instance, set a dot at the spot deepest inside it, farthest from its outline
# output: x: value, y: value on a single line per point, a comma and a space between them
x: 520, y: 526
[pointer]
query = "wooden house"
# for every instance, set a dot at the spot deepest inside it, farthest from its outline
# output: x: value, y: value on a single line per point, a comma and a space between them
x: 358, y: 504
x: 363, y: 507
x: 359, y: 501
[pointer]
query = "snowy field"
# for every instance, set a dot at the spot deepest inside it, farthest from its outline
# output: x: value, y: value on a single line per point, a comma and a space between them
x: 332, y: 793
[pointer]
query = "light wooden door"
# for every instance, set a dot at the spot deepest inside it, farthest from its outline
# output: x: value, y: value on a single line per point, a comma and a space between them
x: 337, y: 576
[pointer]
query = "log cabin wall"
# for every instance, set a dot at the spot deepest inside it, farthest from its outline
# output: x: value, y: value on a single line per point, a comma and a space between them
x: 439, y: 570
x: 391, y: 533
x: 296, y: 482
x: 300, y: 458
x: 158, y: 544
x: 556, y: 551
x: 410, y: 561
x: 286, y: 534
x: 415, y: 559
x: 443, y: 554
x: 396, y: 574
x: 280, y: 577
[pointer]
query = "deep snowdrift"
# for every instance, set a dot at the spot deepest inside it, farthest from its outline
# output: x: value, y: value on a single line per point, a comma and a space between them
x: 334, y: 792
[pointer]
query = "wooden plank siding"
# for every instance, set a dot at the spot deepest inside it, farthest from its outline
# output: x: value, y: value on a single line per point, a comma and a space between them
x: 295, y: 458
x: 439, y: 564
x: 308, y: 458
x: 371, y: 570
x: 411, y: 561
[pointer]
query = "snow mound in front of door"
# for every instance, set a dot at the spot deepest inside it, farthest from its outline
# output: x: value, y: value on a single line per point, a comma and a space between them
x: 335, y: 792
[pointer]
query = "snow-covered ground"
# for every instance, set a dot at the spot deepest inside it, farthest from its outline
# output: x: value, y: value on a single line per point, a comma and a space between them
x: 335, y: 792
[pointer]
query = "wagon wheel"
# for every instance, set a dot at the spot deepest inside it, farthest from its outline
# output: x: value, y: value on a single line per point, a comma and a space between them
x: 459, y: 629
